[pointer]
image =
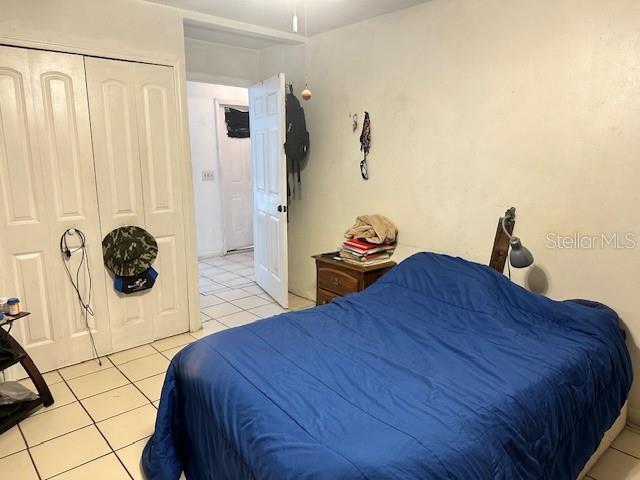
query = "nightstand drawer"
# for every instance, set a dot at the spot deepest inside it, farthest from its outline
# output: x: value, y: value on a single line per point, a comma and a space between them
x: 336, y: 281
x: 324, y: 297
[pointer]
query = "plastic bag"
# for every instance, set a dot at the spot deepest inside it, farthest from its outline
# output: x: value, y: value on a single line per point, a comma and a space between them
x: 14, y: 392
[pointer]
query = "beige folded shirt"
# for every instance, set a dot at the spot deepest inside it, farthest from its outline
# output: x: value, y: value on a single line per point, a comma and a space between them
x: 374, y: 228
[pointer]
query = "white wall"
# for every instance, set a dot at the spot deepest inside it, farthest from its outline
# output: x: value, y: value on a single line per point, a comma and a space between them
x: 287, y: 59
x: 221, y: 64
x: 204, y: 156
x: 477, y: 106
x: 126, y: 27
x: 209, y: 62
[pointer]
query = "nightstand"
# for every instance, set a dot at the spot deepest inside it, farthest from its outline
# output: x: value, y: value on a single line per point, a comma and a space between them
x: 335, y: 278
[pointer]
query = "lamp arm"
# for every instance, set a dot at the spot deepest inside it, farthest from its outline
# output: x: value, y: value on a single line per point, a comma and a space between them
x: 509, y: 215
x: 504, y: 228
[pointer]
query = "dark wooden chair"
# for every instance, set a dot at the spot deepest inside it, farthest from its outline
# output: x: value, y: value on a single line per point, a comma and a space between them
x: 12, y: 415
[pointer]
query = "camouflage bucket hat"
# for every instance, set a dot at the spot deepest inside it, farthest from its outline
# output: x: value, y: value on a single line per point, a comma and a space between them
x: 129, y: 251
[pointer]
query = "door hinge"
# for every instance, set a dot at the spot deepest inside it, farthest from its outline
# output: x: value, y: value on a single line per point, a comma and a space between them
x: 282, y: 208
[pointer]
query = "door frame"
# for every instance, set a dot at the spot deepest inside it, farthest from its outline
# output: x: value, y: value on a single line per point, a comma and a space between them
x: 218, y: 103
x: 188, y: 204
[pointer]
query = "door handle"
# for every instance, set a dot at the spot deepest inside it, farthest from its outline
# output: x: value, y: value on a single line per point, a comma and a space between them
x: 282, y: 208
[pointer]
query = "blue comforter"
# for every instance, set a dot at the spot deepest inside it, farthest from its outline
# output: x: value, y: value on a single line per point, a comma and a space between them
x: 443, y: 369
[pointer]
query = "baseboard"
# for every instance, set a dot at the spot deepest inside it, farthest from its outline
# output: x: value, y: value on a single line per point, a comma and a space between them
x: 302, y: 294
x: 633, y: 417
x: 608, y: 438
x: 209, y: 254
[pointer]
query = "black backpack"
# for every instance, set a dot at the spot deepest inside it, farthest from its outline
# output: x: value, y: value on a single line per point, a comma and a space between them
x: 296, y: 146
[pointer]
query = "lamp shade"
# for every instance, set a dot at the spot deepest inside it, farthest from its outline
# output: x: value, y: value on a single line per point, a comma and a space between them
x: 520, y: 256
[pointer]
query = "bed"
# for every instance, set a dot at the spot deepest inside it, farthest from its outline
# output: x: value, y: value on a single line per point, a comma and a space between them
x: 443, y: 369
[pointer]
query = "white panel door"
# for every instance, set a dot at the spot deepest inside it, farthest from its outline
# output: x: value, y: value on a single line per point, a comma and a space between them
x: 112, y: 105
x: 27, y: 256
x: 267, y: 119
x: 62, y: 113
x: 234, y: 155
x: 47, y: 186
x: 134, y: 125
x: 159, y: 156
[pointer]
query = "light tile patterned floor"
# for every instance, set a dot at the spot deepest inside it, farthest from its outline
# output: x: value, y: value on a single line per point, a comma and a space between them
x: 103, y: 415
x: 229, y: 296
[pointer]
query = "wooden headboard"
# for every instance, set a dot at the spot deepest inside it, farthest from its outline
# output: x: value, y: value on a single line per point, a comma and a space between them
x: 501, y: 240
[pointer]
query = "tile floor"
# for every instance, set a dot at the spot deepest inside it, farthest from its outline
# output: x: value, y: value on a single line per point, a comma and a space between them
x: 229, y: 296
x: 104, y: 415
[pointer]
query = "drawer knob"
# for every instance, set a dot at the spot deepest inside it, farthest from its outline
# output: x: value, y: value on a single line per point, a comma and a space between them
x: 335, y: 282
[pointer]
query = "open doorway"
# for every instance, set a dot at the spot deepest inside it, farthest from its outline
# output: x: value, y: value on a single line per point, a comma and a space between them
x: 221, y: 165
x: 223, y: 179
x: 261, y: 61
x: 239, y: 287
x: 240, y: 181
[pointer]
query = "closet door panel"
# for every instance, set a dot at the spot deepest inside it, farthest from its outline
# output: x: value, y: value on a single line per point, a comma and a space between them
x: 115, y: 143
x: 25, y: 247
x: 157, y: 127
x: 30, y: 274
x: 60, y: 103
x: 112, y: 104
x: 157, y: 149
x: 168, y: 294
x: 18, y: 147
x: 121, y: 153
x: 19, y: 198
x: 66, y: 148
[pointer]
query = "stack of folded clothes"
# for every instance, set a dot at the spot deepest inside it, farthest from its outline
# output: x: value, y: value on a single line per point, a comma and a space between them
x: 361, y: 252
x: 371, y: 240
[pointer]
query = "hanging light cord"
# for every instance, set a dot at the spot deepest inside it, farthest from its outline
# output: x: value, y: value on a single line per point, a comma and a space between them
x: 305, y: 23
x: 295, y: 17
x: 83, y: 265
x: 306, y: 34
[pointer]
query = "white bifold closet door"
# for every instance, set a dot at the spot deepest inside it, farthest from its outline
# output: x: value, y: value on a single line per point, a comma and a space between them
x: 47, y: 185
x: 135, y: 139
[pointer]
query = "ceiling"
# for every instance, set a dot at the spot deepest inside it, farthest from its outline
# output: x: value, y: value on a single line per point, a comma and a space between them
x: 323, y: 15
